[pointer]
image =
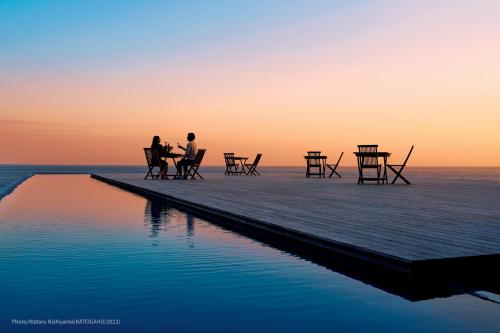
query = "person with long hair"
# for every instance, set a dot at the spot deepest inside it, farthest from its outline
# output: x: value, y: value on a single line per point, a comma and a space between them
x: 159, y: 151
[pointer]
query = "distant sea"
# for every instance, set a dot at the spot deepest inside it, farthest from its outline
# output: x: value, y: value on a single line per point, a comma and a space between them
x: 13, y: 175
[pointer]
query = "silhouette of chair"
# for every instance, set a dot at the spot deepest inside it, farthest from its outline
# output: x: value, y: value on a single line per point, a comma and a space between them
x: 333, y: 167
x: 193, y: 168
x: 401, y: 167
x: 231, y: 166
x: 153, y: 161
x: 368, y: 162
x: 252, y: 168
x: 315, y: 162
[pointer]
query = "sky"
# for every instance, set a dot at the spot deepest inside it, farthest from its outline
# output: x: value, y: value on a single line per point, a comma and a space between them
x: 90, y: 82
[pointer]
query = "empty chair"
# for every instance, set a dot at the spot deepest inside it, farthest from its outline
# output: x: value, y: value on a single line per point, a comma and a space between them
x: 252, y: 168
x: 231, y: 167
x: 368, y: 162
x: 153, y: 161
x: 398, y: 169
x: 193, y: 168
x: 333, y: 167
x: 315, y: 166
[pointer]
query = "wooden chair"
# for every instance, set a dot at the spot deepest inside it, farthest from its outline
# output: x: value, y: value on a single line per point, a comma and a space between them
x: 368, y: 162
x: 231, y: 166
x: 314, y: 163
x: 333, y: 167
x: 401, y: 167
x: 193, y: 168
x: 153, y: 161
x: 252, y: 168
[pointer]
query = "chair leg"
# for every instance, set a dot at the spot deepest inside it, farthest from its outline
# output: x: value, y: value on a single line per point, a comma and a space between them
x: 333, y: 171
x: 252, y: 171
x: 399, y: 175
x: 404, y: 179
x: 193, y: 172
x: 150, y: 173
x: 189, y: 173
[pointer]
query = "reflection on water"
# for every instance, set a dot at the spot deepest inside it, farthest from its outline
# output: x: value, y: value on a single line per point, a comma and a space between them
x: 113, y: 254
x: 156, y: 215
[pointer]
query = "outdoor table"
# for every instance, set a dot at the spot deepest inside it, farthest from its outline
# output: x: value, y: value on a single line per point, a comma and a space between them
x: 362, y: 155
x: 173, y: 157
x: 322, y: 159
x: 242, y: 162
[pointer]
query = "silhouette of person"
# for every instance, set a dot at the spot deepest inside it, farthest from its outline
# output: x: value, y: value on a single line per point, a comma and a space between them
x: 189, y: 155
x: 161, y: 151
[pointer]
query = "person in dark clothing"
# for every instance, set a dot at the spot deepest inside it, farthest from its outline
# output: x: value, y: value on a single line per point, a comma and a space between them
x: 159, y: 151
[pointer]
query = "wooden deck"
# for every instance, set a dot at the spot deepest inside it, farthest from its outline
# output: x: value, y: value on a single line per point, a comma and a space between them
x: 397, y: 225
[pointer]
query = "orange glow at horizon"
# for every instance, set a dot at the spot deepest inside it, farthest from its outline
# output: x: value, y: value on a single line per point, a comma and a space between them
x: 397, y: 82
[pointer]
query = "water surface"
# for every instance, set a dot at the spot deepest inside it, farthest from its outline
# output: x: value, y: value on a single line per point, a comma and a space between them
x: 73, y: 247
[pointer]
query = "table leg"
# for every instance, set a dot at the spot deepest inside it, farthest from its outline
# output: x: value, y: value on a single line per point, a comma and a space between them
x: 360, y: 168
x: 176, y: 170
x: 385, y: 171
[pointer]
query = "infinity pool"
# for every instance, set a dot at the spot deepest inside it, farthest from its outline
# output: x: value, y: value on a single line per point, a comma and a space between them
x: 72, y: 247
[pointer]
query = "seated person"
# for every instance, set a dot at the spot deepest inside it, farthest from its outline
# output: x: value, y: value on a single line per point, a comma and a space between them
x: 189, y: 155
x: 159, y: 151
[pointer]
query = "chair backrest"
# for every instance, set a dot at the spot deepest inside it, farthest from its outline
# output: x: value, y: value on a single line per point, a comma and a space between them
x: 199, y: 157
x: 340, y: 157
x: 149, y: 156
x: 368, y: 160
x: 229, y: 159
x: 408, y: 156
x: 313, y: 161
x: 152, y: 157
x: 367, y: 148
x: 257, y: 159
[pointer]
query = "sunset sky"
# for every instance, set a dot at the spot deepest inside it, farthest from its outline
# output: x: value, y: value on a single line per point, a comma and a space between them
x: 90, y: 82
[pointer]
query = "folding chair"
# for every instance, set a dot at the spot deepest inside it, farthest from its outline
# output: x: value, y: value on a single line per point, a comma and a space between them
x: 193, y: 168
x: 333, y: 167
x: 401, y: 167
x: 252, y: 168
x: 368, y: 162
x: 231, y: 166
x: 154, y: 162
x: 314, y: 162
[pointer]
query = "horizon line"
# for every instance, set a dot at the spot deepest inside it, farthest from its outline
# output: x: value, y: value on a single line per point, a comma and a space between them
x: 222, y: 165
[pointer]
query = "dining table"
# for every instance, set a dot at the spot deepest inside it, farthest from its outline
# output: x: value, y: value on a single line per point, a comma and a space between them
x: 378, y: 154
x: 172, y: 156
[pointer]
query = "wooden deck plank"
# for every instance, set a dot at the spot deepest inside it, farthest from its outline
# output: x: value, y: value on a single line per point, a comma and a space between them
x: 433, y: 219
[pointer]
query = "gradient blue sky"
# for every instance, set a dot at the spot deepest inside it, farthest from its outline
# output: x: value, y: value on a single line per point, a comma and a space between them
x: 88, y: 35
x: 277, y: 77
